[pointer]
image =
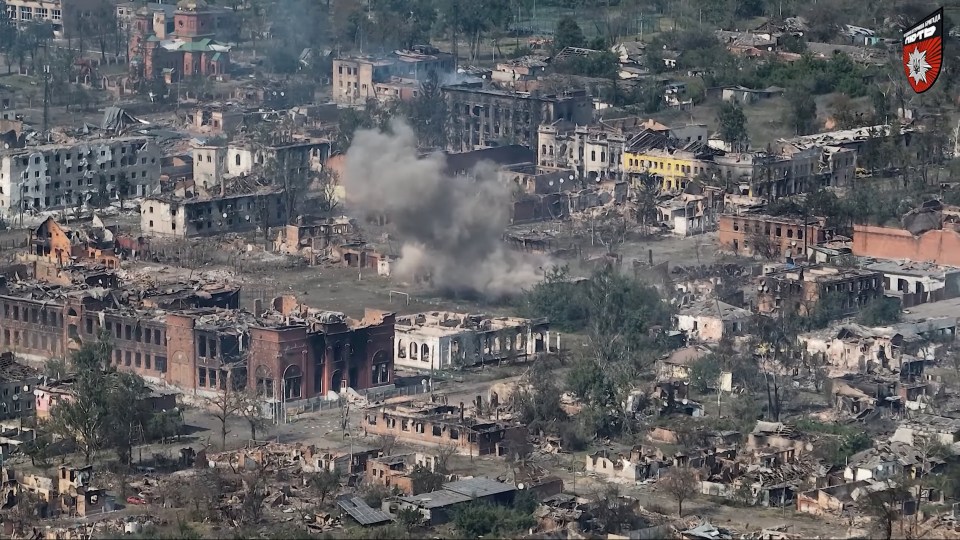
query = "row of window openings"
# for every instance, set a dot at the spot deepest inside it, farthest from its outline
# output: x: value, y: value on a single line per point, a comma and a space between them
x: 69, y: 183
x: 140, y: 360
x: 30, y: 340
x: 28, y: 13
x: 778, y: 232
x: 419, y: 427
x: 33, y: 315
x: 129, y: 333
x: 27, y: 404
x: 56, y: 159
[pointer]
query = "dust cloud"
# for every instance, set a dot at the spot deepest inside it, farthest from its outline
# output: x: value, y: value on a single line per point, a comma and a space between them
x: 450, y: 227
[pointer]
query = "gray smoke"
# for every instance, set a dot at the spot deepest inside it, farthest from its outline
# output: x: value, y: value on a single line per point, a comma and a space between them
x: 450, y: 227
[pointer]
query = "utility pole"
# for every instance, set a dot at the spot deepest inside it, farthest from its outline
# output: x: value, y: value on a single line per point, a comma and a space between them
x: 46, y: 99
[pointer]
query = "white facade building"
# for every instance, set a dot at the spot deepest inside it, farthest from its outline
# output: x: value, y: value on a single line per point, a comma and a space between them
x: 444, y: 340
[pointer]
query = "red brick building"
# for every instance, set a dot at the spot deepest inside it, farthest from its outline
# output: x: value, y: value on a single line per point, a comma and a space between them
x: 199, y: 340
x: 774, y: 236
x: 190, y: 50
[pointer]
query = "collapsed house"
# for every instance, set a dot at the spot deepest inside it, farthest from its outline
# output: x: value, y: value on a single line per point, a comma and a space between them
x: 853, y: 348
x: 72, y: 493
x: 394, y: 472
x: 445, y: 340
x: 435, y: 424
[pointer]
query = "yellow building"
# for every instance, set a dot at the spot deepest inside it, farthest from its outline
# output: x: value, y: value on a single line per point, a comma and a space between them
x: 675, y: 168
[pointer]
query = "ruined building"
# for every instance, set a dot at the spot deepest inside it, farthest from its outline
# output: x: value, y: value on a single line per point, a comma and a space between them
x: 800, y: 290
x: 190, y: 50
x: 396, y: 76
x: 483, y: 117
x: 434, y: 424
x: 194, y: 336
x: 446, y: 340
x: 59, y: 175
x: 295, y: 157
x: 205, y: 215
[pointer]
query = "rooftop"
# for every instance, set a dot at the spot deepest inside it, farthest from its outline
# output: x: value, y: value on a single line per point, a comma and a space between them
x: 436, y: 499
x: 714, y: 308
x: 13, y: 371
x: 933, y: 310
x: 820, y: 274
x: 479, y: 486
x: 909, y: 268
x: 448, y: 323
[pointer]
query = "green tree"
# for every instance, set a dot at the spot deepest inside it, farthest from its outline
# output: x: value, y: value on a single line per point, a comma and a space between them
x: 733, y: 124
x: 424, y: 480
x: 568, y: 34
x: 484, y: 519
x: 803, y: 110
x: 429, y: 114
x: 325, y: 482
x: 107, y: 408
x: 880, y: 312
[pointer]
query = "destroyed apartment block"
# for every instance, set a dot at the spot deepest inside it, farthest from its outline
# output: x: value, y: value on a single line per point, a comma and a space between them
x: 789, y: 237
x: 187, y: 217
x: 294, y: 158
x: 17, y: 383
x: 800, y: 289
x: 438, y: 425
x: 297, y: 456
x: 63, y: 175
x: 441, y: 340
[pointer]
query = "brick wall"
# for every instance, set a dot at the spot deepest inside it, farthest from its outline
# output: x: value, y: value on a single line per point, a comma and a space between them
x: 937, y: 246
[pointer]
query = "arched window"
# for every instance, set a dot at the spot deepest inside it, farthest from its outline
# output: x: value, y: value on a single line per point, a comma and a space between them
x: 292, y: 382
x: 264, y: 382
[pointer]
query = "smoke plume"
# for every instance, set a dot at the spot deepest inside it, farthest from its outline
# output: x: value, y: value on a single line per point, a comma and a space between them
x: 450, y: 227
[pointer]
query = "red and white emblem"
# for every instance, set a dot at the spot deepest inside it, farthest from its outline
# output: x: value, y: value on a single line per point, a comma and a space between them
x: 923, y: 52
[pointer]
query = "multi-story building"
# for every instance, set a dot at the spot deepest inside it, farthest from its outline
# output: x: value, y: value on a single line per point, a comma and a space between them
x: 436, y: 424
x: 800, y: 290
x: 595, y: 152
x: 17, y: 383
x: 189, y: 51
x: 676, y: 162
x: 65, y: 16
x: 196, y: 338
x: 444, y: 340
x: 772, y: 236
x: 359, y: 78
x: 212, y: 164
x: 58, y: 175
x: 482, y: 117
x: 163, y: 16
x: 183, y: 217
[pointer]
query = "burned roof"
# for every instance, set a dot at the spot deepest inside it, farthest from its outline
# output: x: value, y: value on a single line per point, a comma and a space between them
x: 13, y: 371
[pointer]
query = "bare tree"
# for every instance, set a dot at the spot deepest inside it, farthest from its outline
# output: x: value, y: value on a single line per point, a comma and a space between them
x: 251, y: 410
x: 225, y: 406
x: 680, y: 484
